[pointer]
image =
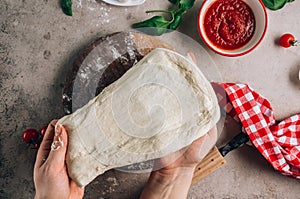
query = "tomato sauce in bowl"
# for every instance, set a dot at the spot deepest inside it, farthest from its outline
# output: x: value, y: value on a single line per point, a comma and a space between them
x: 229, y: 24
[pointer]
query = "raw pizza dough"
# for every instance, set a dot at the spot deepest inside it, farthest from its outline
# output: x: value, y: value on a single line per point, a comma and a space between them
x: 160, y: 105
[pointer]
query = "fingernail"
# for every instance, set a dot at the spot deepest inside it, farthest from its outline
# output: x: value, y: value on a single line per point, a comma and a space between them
x: 57, y: 141
x: 58, y: 130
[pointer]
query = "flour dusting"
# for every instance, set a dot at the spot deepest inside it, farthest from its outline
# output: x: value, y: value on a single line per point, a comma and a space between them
x: 93, y: 7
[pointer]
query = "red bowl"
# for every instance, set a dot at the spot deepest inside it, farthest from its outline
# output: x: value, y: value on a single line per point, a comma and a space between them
x: 261, y: 24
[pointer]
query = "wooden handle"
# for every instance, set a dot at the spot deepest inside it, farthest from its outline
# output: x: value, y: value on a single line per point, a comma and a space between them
x: 212, y: 161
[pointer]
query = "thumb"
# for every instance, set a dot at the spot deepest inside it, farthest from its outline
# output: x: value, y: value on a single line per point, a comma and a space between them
x: 58, y: 151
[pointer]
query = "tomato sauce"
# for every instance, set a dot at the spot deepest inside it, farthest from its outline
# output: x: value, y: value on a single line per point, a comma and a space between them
x: 229, y: 24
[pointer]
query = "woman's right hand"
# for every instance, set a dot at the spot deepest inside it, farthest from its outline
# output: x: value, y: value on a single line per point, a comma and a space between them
x: 174, y: 178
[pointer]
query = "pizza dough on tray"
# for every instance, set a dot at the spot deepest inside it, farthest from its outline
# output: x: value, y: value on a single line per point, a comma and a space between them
x: 160, y: 105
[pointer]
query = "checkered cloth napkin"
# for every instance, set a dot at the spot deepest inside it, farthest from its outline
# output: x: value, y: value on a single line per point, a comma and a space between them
x: 279, y: 142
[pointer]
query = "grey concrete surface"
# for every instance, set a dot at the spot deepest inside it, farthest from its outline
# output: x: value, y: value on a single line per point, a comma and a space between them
x: 37, y: 44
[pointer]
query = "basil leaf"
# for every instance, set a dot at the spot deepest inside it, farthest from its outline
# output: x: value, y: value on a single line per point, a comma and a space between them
x: 186, y: 4
x: 66, y: 6
x: 158, y: 23
x: 175, y: 23
x: 275, y: 4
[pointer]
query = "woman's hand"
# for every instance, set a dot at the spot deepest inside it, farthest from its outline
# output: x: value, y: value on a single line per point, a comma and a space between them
x: 174, y: 178
x: 189, y: 156
x: 50, y: 172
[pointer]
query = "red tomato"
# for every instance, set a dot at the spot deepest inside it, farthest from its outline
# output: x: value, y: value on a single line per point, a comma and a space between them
x: 43, y: 131
x: 30, y: 136
x: 287, y: 40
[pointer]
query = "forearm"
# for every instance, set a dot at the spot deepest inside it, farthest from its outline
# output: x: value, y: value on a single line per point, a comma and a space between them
x: 168, y: 184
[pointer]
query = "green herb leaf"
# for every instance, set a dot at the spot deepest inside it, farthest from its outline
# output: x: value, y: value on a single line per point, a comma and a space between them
x: 162, y: 25
x: 186, y: 4
x: 176, y: 22
x: 158, y: 23
x: 275, y: 4
x: 66, y: 6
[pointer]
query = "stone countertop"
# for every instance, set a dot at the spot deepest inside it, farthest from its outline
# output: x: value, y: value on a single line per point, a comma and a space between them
x: 37, y: 44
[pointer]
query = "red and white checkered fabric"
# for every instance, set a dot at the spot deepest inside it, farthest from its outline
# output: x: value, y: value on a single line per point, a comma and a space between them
x: 278, y: 143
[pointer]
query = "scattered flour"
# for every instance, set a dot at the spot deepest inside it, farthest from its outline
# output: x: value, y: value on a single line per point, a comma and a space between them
x: 101, y: 9
x: 114, y: 182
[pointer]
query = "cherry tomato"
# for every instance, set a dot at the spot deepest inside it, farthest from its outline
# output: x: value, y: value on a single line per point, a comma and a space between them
x: 30, y: 136
x: 287, y: 40
x: 43, y: 131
